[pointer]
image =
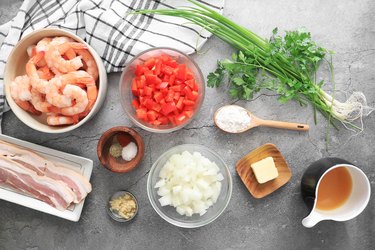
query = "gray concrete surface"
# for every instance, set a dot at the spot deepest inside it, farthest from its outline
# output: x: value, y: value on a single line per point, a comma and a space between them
x: 274, y: 222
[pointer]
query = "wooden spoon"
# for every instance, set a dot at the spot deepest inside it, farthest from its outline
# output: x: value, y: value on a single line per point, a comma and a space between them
x: 256, y: 122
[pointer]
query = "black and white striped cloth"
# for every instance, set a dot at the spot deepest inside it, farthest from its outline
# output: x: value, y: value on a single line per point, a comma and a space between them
x: 105, y: 25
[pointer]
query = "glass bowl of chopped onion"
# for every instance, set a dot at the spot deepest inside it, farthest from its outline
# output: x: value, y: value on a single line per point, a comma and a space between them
x: 189, y: 186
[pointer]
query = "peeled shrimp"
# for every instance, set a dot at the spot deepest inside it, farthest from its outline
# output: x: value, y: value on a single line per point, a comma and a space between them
x: 31, y: 70
x: 89, y: 61
x: 44, y: 73
x: 80, y: 100
x: 20, y: 90
x: 92, y: 90
x: 54, y: 90
x: 56, y: 120
x: 57, y: 63
x: 42, y: 46
x: 38, y: 100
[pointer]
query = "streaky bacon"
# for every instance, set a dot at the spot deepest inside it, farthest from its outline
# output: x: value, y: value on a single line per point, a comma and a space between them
x: 43, y: 167
x: 51, y: 191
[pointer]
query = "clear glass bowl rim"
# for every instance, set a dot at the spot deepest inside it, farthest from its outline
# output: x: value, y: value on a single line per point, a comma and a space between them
x: 187, y: 224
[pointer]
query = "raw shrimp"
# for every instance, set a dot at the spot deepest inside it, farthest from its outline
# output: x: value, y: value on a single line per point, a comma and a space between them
x: 56, y: 120
x: 20, y: 90
x: 80, y: 100
x: 57, y: 63
x: 36, y: 82
x: 89, y: 61
x: 58, y: 83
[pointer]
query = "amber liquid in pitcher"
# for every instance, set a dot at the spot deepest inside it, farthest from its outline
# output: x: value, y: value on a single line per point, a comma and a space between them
x: 334, y: 189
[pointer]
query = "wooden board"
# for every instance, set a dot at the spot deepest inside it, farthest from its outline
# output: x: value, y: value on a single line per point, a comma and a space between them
x: 244, y: 170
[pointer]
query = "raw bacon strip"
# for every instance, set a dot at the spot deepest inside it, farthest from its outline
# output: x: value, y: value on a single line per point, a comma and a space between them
x: 78, y: 183
x: 10, y: 179
x: 48, y: 190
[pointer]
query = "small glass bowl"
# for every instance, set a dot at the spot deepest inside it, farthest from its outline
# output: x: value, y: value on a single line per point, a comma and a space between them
x: 169, y: 213
x: 128, y: 74
x: 113, y: 214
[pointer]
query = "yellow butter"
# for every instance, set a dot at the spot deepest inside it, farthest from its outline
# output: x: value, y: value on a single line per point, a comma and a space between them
x: 265, y: 170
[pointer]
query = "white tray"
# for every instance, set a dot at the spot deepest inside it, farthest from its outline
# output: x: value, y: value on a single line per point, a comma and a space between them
x: 82, y: 165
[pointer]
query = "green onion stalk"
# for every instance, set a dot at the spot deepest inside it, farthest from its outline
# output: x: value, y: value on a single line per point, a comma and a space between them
x: 301, y: 81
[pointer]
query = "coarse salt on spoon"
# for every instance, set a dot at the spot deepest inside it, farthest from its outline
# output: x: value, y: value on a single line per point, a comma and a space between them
x: 235, y: 119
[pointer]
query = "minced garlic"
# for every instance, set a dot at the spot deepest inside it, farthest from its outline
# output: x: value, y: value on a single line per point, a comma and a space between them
x: 124, y: 205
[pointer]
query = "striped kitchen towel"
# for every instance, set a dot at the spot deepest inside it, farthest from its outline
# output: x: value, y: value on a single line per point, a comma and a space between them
x: 105, y: 25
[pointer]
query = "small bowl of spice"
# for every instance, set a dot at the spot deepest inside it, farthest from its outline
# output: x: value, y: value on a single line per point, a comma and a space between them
x: 122, y: 206
x: 120, y: 149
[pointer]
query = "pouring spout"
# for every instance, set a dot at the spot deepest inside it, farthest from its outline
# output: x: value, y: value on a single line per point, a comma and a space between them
x: 312, y: 219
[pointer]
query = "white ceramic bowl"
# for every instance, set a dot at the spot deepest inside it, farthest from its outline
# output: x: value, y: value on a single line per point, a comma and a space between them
x: 16, y: 66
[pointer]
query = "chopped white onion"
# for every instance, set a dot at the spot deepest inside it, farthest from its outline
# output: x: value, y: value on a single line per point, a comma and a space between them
x: 189, y: 182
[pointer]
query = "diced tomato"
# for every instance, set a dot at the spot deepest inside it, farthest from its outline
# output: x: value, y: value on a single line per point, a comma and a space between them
x: 168, y: 108
x: 162, y: 102
x: 190, y: 83
x: 171, y: 80
x: 139, y: 70
x: 180, y: 104
x: 149, y: 103
x: 152, y: 115
x: 141, y: 114
x: 162, y: 85
x: 171, y: 118
x: 180, y: 118
x: 158, y: 96
x: 165, y: 58
x: 135, y: 103
x: 148, y: 91
x: 189, y: 108
x: 165, y: 91
x: 188, y: 102
x: 141, y: 82
x: 181, y: 72
x: 176, y: 95
x: 189, y: 74
x: 134, y: 88
x: 163, y: 120
x: 148, y: 71
x: 193, y: 96
x: 187, y: 91
x: 168, y: 70
x: 152, y: 79
x: 171, y: 63
x: 170, y: 95
x: 188, y: 113
x: 156, y: 122
x: 150, y: 63
x: 177, y: 88
x: 156, y: 107
x: 165, y: 78
x: 157, y: 69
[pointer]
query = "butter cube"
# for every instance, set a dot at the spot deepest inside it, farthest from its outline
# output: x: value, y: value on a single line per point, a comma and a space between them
x: 265, y: 170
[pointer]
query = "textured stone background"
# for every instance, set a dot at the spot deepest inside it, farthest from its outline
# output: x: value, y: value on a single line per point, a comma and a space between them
x: 274, y: 222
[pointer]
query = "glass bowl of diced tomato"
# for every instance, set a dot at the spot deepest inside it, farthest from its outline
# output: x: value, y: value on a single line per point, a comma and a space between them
x: 162, y: 90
